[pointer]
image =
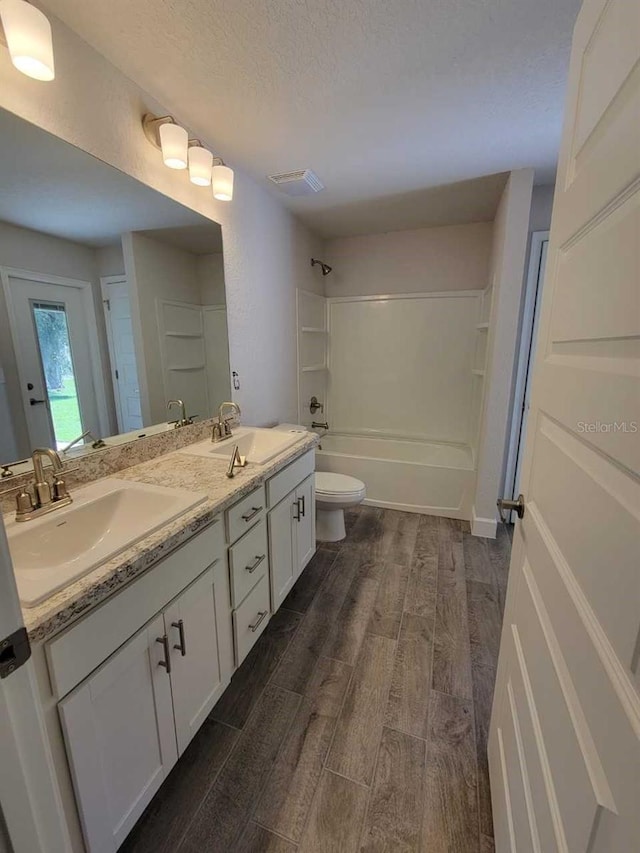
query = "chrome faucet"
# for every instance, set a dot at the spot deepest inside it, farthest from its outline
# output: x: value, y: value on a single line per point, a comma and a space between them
x: 222, y: 427
x: 183, y: 420
x: 46, y: 496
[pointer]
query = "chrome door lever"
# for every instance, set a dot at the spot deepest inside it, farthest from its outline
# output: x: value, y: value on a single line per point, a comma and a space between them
x: 504, y: 504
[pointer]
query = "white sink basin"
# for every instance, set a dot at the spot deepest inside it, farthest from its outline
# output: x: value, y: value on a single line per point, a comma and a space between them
x: 256, y: 444
x: 104, y: 519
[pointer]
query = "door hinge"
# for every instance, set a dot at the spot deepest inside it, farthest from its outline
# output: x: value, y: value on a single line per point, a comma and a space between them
x: 117, y: 374
x: 107, y: 302
x: 14, y: 651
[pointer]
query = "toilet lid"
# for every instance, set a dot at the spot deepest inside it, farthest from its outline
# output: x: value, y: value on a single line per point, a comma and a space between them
x: 337, y: 484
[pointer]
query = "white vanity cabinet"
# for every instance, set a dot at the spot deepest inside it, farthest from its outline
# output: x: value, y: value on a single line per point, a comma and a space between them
x: 291, y: 522
x: 128, y: 721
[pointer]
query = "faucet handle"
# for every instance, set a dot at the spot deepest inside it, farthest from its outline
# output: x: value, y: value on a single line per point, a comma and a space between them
x: 24, y: 502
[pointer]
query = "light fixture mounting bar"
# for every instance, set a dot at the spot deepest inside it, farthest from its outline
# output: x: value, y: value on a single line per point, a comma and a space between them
x: 151, y: 125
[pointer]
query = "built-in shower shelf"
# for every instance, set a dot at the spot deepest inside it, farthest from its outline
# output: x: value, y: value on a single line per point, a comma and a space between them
x: 477, y: 372
x: 314, y: 330
x: 482, y: 327
x: 314, y: 368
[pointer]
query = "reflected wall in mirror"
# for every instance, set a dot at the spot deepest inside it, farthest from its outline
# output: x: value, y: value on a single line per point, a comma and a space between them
x: 112, y: 302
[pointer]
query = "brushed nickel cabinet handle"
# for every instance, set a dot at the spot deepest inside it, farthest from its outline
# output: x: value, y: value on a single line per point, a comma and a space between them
x: 166, y: 663
x: 251, y: 569
x: 261, y: 616
x: 182, y: 645
x: 254, y: 511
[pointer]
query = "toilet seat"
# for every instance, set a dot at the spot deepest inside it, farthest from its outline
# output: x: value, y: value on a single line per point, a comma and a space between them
x: 335, y: 488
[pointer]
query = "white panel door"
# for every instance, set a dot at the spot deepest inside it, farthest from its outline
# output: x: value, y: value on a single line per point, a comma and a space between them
x: 120, y: 737
x: 305, y: 527
x: 53, y: 350
x: 564, y: 744
x: 282, y: 560
x: 198, y: 625
x: 124, y: 368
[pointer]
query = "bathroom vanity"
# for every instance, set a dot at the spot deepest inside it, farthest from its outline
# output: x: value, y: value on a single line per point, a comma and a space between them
x: 132, y: 657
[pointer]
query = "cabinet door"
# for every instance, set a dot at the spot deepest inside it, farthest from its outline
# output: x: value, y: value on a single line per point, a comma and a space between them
x: 120, y: 737
x: 305, y: 528
x: 282, y: 560
x: 198, y: 625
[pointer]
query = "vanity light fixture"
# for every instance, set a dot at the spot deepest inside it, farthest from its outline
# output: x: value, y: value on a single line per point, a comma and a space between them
x: 27, y: 34
x: 222, y: 181
x: 165, y: 133
x: 178, y: 152
x: 200, y: 162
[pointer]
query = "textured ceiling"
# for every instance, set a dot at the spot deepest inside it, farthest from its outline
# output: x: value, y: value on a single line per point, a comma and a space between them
x: 50, y: 186
x: 379, y: 97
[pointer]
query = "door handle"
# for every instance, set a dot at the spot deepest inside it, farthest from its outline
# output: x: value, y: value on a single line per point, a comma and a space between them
x: 166, y: 663
x: 251, y: 569
x: 301, y: 503
x: 261, y: 616
x: 34, y: 402
x: 296, y: 507
x: 254, y: 511
x: 509, y: 505
x: 181, y: 646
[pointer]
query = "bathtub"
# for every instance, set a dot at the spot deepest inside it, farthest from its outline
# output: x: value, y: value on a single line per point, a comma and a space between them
x: 434, y: 478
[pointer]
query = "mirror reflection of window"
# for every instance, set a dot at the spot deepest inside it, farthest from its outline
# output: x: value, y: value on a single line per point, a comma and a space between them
x: 112, y: 301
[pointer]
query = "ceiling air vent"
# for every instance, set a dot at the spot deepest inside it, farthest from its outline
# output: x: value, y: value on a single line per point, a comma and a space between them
x: 300, y: 182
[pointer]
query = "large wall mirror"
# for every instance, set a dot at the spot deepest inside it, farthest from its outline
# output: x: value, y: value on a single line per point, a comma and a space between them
x: 112, y: 302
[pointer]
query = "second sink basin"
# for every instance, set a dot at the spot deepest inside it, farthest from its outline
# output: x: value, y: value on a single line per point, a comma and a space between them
x: 256, y: 444
x: 104, y: 519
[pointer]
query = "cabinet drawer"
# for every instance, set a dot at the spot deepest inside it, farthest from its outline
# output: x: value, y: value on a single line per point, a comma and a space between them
x: 76, y: 652
x: 245, y: 514
x: 248, y: 561
x: 287, y: 479
x: 250, y: 619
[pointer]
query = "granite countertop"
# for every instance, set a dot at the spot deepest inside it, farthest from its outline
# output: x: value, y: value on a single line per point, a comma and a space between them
x: 177, y: 470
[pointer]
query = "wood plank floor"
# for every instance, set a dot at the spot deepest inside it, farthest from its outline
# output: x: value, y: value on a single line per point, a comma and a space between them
x: 359, y: 721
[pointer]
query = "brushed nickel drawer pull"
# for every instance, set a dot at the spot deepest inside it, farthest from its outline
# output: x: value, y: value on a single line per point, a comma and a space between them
x: 254, y: 511
x: 251, y: 569
x: 182, y: 645
x: 261, y: 616
x: 166, y: 663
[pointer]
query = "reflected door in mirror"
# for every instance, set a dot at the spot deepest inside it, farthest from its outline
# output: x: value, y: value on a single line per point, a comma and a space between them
x: 54, y: 362
x: 124, y: 369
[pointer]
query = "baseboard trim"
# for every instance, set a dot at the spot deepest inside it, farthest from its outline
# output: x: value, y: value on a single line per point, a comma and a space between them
x: 444, y: 512
x: 485, y: 527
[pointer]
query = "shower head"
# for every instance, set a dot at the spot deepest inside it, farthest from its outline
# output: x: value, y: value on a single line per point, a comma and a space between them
x: 326, y: 269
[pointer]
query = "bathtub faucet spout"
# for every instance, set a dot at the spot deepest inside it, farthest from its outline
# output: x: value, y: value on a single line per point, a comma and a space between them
x: 319, y: 425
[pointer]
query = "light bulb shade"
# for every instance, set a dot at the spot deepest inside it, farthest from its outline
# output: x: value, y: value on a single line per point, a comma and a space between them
x: 222, y: 180
x: 28, y: 35
x: 200, y: 161
x: 174, y: 143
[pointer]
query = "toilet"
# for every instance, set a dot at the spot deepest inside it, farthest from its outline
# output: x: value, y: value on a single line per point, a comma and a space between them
x: 334, y: 493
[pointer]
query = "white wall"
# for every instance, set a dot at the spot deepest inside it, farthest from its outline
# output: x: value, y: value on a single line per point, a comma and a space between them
x: 38, y: 252
x: 110, y: 260
x: 266, y: 250
x: 511, y: 230
x: 454, y: 257
x: 155, y: 271
x: 210, y: 272
x: 402, y: 366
